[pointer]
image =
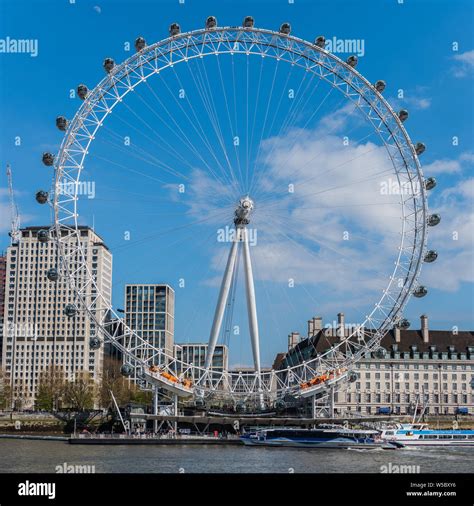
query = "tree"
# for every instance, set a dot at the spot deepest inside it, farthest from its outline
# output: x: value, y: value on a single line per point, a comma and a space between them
x: 113, y: 381
x: 80, y: 393
x: 123, y: 389
x: 51, y: 388
x: 5, y: 390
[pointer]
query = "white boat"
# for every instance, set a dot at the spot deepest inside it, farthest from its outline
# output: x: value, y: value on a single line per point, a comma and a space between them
x: 340, y: 438
x: 419, y: 434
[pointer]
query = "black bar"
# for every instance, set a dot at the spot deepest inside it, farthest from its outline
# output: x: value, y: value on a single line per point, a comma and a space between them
x: 243, y: 489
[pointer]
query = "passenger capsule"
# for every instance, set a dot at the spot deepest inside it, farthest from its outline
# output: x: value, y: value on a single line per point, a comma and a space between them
x: 94, y: 343
x: 82, y: 91
x: 41, y: 197
x: 381, y: 353
x: 43, y: 235
x: 248, y: 22
x: 126, y: 370
x: 52, y: 274
x: 285, y: 28
x: 174, y: 29
x: 61, y: 123
x: 420, y: 291
x: 420, y: 148
x: 280, y: 404
x: 240, y: 407
x: 430, y: 256
x: 108, y: 65
x: 70, y: 310
x: 320, y: 41
x: 211, y: 22
x: 140, y: 43
x: 352, y: 377
x: 380, y: 86
x: 404, y: 324
x: 433, y: 220
x: 48, y: 159
x: 352, y: 61
x: 199, y: 402
x: 403, y: 115
x: 430, y: 183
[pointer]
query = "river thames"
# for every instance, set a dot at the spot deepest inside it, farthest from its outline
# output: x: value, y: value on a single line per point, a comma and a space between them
x: 23, y: 456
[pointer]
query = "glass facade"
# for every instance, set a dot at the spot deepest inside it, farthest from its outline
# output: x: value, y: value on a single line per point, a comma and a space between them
x: 149, y: 311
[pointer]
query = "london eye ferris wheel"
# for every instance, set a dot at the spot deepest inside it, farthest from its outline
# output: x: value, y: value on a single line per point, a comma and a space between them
x: 249, y: 162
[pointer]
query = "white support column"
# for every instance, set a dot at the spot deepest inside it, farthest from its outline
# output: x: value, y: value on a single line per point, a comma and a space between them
x: 155, y: 407
x: 175, y: 413
x: 251, y: 304
x: 221, y: 302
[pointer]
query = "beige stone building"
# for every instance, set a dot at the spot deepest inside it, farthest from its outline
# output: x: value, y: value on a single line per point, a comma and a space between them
x: 37, y: 332
x: 431, y: 369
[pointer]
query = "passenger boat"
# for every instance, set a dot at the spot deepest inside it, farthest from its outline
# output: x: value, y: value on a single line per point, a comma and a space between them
x: 419, y: 434
x: 341, y: 438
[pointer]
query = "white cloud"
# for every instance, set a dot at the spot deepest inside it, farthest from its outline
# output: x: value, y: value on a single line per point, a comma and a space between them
x: 419, y: 102
x: 448, y: 166
x: 465, y: 63
x: 444, y: 166
x: 453, y: 238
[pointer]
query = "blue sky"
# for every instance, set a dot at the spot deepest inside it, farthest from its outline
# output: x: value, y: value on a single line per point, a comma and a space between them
x: 409, y: 45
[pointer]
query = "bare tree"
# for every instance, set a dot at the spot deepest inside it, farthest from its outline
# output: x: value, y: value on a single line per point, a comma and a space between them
x: 80, y: 393
x: 5, y: 390
x: 51, y: 388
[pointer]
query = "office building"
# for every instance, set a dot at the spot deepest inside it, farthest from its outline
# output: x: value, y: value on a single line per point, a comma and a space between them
x: 3, y: 275
x: 149, y: 311
x: 38, y: 334
x: 195, y: 353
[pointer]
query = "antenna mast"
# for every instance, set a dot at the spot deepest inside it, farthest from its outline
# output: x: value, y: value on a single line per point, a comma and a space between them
x: 15, y: 216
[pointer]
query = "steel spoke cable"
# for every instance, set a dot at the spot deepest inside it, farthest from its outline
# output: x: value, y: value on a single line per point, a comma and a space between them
x: 232, y: 131
x: 142, y: 151
x: 329, y: 132
x: 312, y: 115
x: 255, y: 109
x: 204, y: 93
x: 198, y: 122
x: 350, y: 183
x: 210, y: 96
x: 170, y: 149
x: 191, y: 146
x: 280, y: 223
x: 214, y: 120
x: 332, y: 169
x: 259, y: 145
x: 153, y: 162
x: 172, y: 230
x: 203, y: 139
x: 277, y: 108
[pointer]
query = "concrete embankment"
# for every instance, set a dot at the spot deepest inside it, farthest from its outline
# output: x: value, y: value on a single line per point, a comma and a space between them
x: 34, y: 437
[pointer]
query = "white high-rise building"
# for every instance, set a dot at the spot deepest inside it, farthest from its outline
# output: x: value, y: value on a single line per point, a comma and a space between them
x: 37, y: 332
